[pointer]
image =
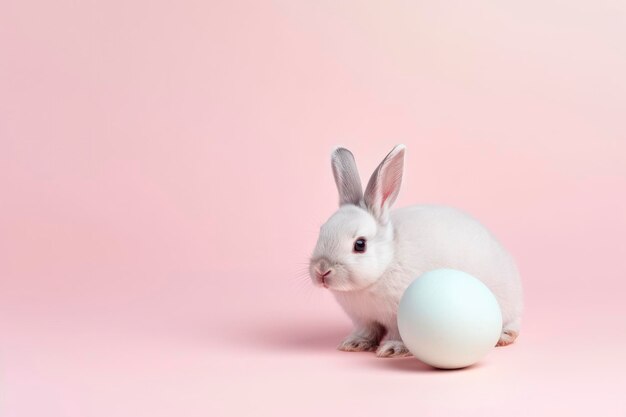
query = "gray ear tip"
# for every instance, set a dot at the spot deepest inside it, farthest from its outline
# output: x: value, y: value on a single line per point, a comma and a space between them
x: 339, y: 149
x: 340, y: 153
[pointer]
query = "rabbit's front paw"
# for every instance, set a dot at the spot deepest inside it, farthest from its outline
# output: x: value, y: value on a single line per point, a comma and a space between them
x: 358, y: 344
x: 392, y: 349
x: 507, y: 337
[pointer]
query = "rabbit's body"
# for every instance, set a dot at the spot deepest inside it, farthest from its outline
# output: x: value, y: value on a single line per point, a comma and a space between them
x: 432, y: 237
x: 367, y: 254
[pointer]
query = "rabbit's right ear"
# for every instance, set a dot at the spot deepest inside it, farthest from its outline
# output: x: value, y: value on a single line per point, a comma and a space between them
x: 384, y: 185
x: 346, y: 177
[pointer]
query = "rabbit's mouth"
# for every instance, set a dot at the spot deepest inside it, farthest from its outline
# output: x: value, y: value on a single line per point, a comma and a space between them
x: 322, y: 272
x: 322, y: 280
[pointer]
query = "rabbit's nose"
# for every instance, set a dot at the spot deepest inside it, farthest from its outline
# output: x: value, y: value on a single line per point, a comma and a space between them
x: 323, y: 275
x: 323, y: 265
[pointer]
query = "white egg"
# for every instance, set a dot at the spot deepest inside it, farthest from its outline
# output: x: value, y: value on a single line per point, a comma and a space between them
x: 449, y: 319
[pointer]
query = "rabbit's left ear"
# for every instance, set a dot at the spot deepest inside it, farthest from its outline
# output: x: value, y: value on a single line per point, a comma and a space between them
x: 346, y: 177
x: 384, y: 185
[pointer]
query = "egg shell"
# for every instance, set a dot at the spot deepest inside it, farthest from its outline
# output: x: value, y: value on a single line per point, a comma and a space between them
x: 449, y: 319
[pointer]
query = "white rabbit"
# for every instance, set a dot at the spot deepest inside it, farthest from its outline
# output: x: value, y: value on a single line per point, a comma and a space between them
x: 367, y: 254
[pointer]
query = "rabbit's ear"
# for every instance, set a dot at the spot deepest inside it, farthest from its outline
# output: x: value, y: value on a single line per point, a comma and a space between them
x: 384, y: 185
x: 346, y: 177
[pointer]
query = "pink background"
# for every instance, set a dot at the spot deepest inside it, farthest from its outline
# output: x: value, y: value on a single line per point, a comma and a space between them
x: 164, y: 168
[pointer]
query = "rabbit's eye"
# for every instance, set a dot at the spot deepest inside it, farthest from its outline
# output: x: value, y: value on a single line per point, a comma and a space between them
x: 360, y: 245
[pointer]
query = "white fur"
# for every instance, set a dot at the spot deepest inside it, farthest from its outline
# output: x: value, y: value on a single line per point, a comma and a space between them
x: 401, y: 245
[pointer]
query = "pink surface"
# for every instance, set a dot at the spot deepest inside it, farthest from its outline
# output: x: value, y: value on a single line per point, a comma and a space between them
x: 164, y: 170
